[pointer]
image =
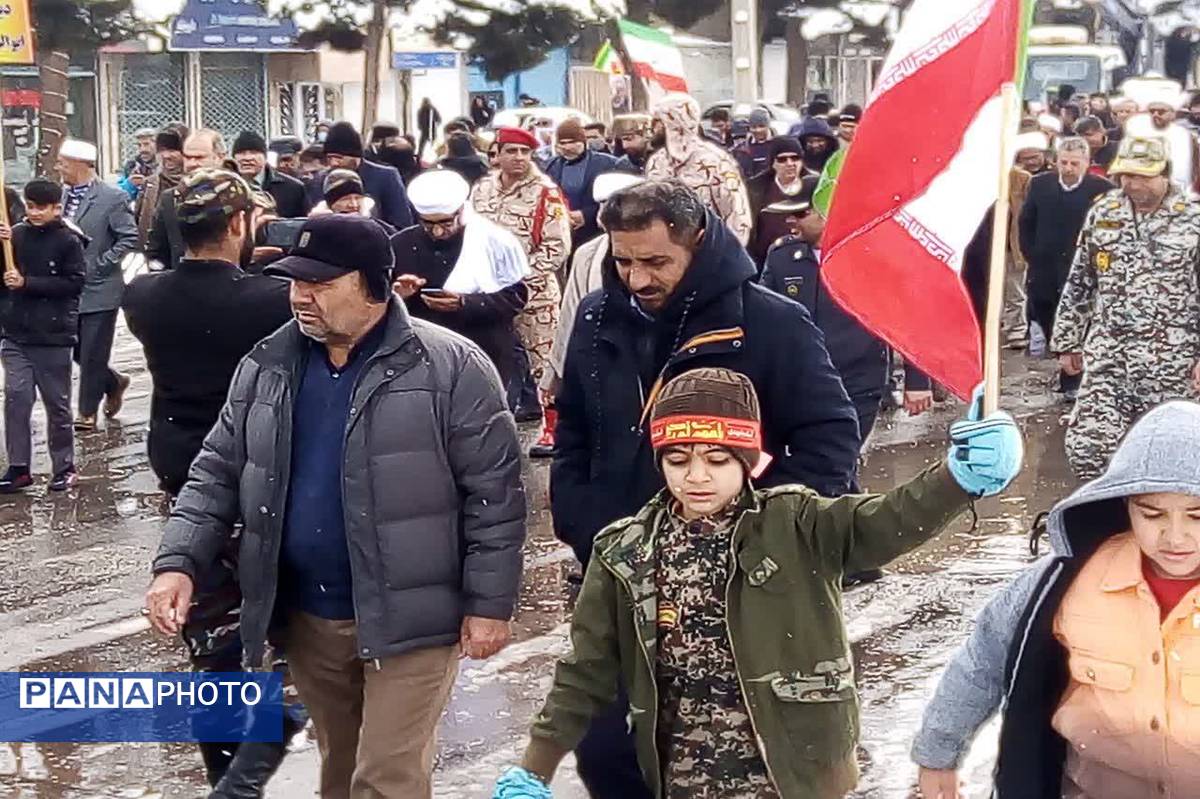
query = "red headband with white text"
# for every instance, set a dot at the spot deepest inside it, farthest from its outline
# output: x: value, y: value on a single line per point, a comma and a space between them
x: 720, y: 431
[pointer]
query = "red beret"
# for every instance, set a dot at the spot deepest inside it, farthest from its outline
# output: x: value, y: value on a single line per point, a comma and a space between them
x: 516, y: 136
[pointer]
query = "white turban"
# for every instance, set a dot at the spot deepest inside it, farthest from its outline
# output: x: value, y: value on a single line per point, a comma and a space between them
x: 1032, y: 141
x: 1050, y: 122
x: 78, y: 150
x: 609, y: 183
x: 440, y: 192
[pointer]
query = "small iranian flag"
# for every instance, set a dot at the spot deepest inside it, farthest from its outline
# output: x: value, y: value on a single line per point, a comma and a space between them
x: 654, y: 54
x: 922, y: 173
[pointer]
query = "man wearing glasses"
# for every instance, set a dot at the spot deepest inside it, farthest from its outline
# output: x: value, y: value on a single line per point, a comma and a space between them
x: 793, y: 269
x: 458, y: 270
x: 779, y: 182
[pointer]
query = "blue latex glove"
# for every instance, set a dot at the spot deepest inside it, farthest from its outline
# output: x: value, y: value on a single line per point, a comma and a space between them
x: 985, y: 454
x: 517, y: 783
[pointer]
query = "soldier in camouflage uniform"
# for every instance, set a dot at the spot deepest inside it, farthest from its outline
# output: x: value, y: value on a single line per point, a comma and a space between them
x: 1129, y: 317
x: 523, y: 201
x: 718, y: 607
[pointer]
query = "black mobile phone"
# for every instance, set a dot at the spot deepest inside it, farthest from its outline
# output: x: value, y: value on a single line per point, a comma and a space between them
x: 282, y: 233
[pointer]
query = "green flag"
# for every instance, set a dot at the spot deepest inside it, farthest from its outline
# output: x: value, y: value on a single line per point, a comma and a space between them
x: 823, y: 197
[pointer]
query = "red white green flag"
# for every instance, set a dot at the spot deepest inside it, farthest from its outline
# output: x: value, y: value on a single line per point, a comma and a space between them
x: 653, y: 52
x: 922, y: 173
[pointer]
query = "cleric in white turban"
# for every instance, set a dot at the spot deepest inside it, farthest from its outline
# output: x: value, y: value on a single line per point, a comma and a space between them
x: 460, y: 270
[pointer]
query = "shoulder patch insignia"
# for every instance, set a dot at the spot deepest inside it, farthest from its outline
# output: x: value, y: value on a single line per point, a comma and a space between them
x: 1103, y: 260
x: 668, y: 616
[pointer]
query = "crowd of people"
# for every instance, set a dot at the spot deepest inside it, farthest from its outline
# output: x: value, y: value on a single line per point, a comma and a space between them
x: 343, y: 337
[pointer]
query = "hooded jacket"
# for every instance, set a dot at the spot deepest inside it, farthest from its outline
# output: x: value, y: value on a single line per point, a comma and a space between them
x: 717, y: 316
x: 815, y: 126
x: 700, y: 164
x: 1012, y: 659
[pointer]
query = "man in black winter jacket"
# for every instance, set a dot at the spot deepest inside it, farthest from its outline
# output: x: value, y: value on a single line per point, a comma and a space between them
x: 250, y: 155
x: 40, y: 319
x: 376, y: 469
x: 680, y: 293
x: 683, y: 306
x: 196, y: 322
x: 343, y: 149
x: 1049, y: 223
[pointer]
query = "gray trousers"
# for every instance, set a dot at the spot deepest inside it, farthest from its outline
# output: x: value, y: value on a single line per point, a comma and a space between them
x: 30, y: 370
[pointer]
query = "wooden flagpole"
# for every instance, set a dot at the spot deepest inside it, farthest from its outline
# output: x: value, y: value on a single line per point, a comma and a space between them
x: 15, y: 27
x: 996, y: 268
x: 10, y: 261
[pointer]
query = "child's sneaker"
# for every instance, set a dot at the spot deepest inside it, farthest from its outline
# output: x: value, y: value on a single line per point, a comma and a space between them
x: 65, y: 479
x: 16, y: 479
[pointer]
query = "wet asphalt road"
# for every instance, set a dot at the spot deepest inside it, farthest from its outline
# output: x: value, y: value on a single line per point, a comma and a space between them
x: 73, y: 569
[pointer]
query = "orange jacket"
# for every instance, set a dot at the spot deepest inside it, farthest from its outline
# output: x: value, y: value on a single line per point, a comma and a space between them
x: 1131, y: 711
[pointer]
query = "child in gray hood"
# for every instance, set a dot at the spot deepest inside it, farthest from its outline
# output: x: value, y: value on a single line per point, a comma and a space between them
x: 1093, y: 653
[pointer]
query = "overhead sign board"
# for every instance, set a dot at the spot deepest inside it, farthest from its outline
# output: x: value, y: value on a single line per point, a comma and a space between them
x: 239, y: 25
x: 436, y: 59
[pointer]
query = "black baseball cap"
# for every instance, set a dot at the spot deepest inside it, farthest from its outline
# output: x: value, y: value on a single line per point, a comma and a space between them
x: 801, y: 201
x: 333, y: 245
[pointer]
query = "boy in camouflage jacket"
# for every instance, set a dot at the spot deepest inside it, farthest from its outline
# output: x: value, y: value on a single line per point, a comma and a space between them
x: 718, y: 607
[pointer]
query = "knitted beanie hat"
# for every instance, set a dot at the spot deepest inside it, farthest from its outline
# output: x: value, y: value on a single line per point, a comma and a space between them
x: 340, y: 183
x: 249, y: 141
x: 570, y: 129
x: 709, y: 406
x: 343, y: 139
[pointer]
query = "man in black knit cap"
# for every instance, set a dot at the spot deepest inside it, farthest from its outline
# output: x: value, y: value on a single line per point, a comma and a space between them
x: 383, y: 184
x: 250, y: 154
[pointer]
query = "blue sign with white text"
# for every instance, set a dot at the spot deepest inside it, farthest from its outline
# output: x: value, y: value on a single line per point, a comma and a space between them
x: 425, y: 60
x: 231, y: 25
x: 98, y: 707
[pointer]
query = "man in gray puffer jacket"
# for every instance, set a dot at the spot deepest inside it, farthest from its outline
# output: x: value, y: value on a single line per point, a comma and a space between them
x: 376, y: 469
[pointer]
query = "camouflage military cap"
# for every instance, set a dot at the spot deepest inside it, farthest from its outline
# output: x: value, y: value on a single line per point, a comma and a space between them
x: 1141, y: 156
x: 263, y: 201
x: 211, y: 194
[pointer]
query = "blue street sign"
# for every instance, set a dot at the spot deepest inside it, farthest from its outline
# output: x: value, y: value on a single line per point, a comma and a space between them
x: 231, y: 25
x: 433, y: 60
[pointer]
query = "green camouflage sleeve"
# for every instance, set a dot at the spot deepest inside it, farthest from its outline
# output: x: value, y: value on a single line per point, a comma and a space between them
x: 1079, y: 295
x: 585, y: 680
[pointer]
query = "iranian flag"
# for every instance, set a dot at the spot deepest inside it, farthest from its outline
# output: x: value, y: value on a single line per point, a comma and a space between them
x: 923, y: 172
x: 654, y: 54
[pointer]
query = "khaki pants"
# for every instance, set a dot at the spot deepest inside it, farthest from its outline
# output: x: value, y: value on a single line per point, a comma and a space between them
x: 376, y: 726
